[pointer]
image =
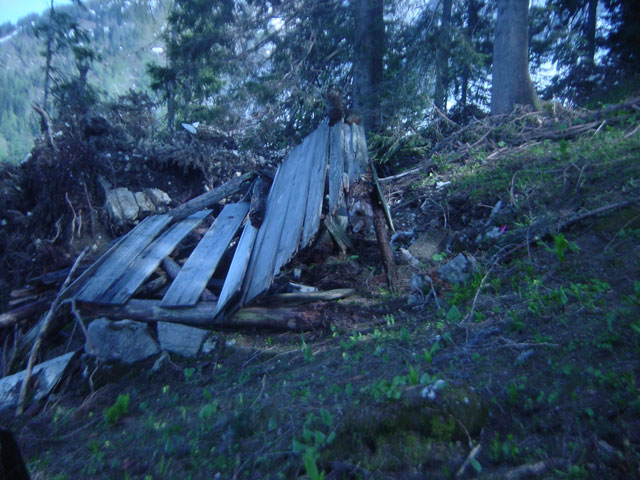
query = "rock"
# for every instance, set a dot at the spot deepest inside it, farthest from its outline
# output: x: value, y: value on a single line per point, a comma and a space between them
x: 458, y: 270
x: 181, y: 339
x: 124, y: 207
x: 429, y: 244
x: 209, y: 344
x: 44, y: 377
x: 124, y: 341
x: 121, y: 205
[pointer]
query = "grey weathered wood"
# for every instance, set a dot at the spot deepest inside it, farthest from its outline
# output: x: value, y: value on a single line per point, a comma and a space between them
x: 238, y: 266
x: 261, y: 266
x: 203, y: 315
x: 315, y: 196
x: 336, y: 167
x: 172, y: 268
x: 298, y: 193
x: 199, y: 267
x: 259, y: 194
x: 356, y: 163
x: 108, y: 268
x: 148, y: 260
x: 211, y: 197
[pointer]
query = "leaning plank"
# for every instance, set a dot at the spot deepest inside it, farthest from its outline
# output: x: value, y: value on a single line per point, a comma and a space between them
x: 199, y: 267
x: 238, y: 266
x: 261, y: 266
x: 336, y: 167
x: 298, y: 193
x: 211, y: 197
x: 113, y: 263
x: 203, y: 315
x: 133, y: 276
x: 315, y: 196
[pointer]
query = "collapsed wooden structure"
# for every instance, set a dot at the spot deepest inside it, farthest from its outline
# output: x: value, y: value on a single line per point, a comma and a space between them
x: 264, y: 235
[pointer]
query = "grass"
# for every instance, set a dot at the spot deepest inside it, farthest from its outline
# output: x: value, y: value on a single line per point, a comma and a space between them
x: 545, y: 371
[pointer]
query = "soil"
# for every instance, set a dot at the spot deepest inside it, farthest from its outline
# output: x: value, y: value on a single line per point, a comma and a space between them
x: 526, y: 370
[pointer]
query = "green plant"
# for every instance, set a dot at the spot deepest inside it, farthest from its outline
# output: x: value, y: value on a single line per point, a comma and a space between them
x: 560, y: 246
x: 115, y: 412
x: 313, y: 440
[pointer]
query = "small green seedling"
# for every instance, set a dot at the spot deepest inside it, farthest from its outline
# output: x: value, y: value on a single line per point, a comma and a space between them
x: 115, y: 412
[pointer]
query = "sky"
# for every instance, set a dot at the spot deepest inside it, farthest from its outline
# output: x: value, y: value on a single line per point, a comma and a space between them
x: 14, y: 10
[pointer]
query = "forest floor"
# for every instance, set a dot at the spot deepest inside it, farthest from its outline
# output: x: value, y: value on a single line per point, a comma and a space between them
x: 530, y: 369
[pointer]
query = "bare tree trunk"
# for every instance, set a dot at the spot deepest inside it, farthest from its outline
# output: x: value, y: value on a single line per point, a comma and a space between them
x: 49, y: 55
x: 511, y: 83
x: 591, y: 31
x: 472, y: 22
x: 442, y: 58
x: 368, y: 61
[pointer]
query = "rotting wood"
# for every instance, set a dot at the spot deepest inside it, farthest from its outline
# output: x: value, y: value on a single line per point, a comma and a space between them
x: 259, y: 193
x: 382, y: 235
x: 147, y: 261
x: 238, y: 267
x: 115, y: 261
x: 203, y: 315
x: 152, y: 286
x: 316, y: 185
x: 299, y: 298
x: 211, y: 197
x: 201, y: 264
x: 172, y: 268
x: 338, y: 234
x: 25, y: 312
x: 336, y: 168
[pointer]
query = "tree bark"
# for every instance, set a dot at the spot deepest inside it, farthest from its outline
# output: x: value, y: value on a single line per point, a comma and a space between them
x: 591, y: 31
x: 472, y: 22
x: 511, y: 83
x: 368, y: 61
x: 49, y: 55
x: 442, y: 58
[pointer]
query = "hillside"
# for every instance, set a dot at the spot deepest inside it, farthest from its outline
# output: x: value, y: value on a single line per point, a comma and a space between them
x: 125, y: 34
x: 524, y: 368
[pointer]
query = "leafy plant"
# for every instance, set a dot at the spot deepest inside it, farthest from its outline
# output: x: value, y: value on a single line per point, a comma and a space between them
x: 313, y: 441
x: 560, y: 246
x: 119, y: 409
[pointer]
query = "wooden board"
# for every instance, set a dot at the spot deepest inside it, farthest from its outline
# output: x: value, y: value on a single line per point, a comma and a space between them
x: 261, y: 265
x: 101, y: 275
x: 148, y: 260
x: 199, y: 267
x: 238, y: 267
x: 336, y: 167
x: 315, y: 196
x: 297, y: 204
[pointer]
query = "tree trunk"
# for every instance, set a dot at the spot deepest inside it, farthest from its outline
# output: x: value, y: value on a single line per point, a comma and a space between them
x: 472, y: 22
x: 511, y: 83
x: 591, y: 31
x: 368, y: 61
x: 49, y: 55
x: 442, y: 58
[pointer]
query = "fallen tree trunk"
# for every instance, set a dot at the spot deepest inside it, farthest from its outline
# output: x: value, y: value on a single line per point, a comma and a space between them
x: 202, y: 315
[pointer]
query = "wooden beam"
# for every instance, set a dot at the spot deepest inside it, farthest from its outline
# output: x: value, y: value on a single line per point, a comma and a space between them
x: 211, y: 197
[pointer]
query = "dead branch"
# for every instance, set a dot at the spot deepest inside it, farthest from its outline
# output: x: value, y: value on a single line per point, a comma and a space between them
x: 42, y: 333
x: 24, y: 312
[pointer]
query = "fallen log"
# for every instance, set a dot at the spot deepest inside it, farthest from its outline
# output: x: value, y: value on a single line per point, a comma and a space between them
x: 10, y: 318
x: 300, y: 298
x: 202, y: 315
x: 211, y: 197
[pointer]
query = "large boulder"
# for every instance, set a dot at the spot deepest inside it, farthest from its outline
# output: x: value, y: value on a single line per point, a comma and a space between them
x: 124, y: 341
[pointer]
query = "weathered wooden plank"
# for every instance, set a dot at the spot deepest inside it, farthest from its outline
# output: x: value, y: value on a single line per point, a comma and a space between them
x: 336, y: 167
x: 199, y: 267
x: 147, y: 261
x: 361, y: 157
x: 295, y: 211
x: 261, y: 265
x: 172, y: 268
x: 318, y: 172
x: 238, y: 266
x: 108, y: 268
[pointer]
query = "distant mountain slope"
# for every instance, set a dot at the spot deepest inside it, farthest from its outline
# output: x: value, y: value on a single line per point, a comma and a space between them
x: 126, y: 34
